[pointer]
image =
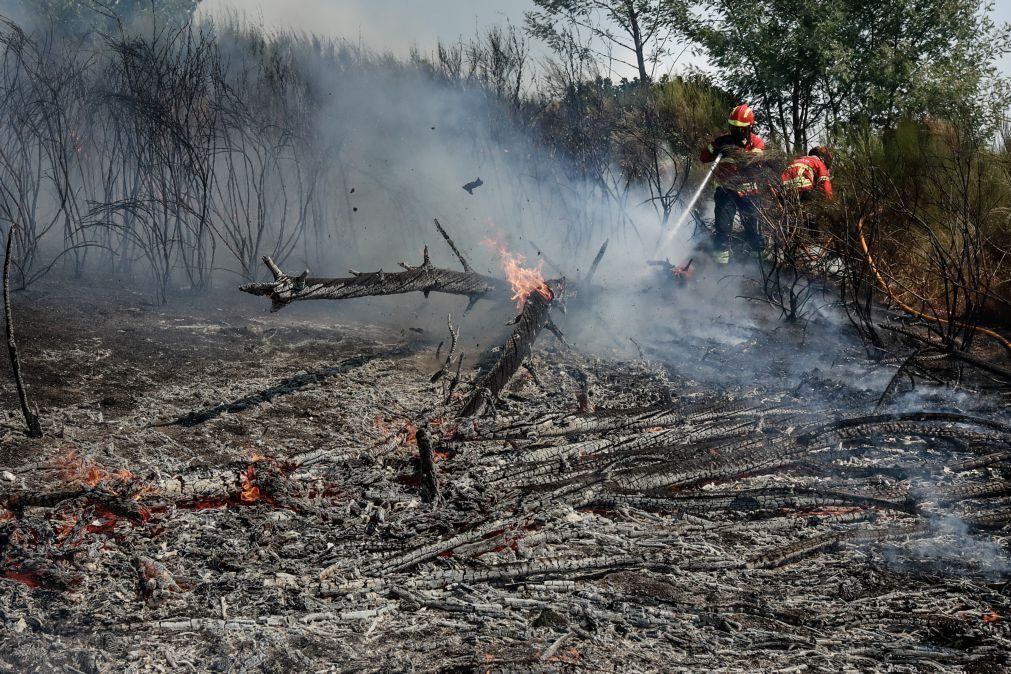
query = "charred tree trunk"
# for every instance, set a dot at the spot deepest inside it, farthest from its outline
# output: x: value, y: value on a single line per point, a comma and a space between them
x: 528, y: 325
x: 31, y: 418
x: 424, y: 278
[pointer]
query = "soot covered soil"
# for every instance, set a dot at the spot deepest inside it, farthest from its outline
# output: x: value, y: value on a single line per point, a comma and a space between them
x: 223, y: 489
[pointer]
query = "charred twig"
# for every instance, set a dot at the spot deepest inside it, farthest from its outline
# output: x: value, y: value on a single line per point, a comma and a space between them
x: 454, y: 337
x: 955, y: 353
x: 894, y: 381
x: 547, y: 260
x: 426, y: 456
x: 596, y: 261
x: 31, y: 417
x: 456, y: 251
x: 455, y: 381
x: 425, y: 278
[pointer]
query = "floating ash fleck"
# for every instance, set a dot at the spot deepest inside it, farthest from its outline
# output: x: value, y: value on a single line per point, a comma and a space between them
x: 524, y: 280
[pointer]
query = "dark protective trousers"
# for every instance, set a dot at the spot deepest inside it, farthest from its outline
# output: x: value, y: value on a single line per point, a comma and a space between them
x: 727, y: 203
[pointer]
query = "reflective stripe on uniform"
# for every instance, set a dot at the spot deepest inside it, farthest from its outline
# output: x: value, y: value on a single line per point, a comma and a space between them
x: 797, y: 183
x: 804, y: 180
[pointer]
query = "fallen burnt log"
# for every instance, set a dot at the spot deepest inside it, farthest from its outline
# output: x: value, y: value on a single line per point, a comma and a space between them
x: 425, y: 278
x: 532, y: 319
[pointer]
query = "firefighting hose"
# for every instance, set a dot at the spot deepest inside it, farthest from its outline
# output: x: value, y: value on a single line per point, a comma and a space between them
x: 691, y: 204
x: 908, y: 309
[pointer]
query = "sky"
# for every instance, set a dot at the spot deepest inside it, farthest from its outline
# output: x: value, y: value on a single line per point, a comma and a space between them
x: 387, y: 25
x: 398, y: 25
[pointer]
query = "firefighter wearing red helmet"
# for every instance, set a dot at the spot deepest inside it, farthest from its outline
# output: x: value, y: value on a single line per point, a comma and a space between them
x: 808, y: 176
x: 736, y: 182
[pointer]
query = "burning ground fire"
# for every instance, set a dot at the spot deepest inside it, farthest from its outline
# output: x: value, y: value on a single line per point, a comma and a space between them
x: 524, y: 280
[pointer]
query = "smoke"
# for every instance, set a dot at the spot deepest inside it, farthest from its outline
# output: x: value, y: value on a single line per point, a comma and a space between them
x: 950, y: 548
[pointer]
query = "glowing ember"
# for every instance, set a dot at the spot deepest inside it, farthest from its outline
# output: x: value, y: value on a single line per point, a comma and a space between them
x: 405, y: 435
x: 64, y: 525
x: 524, y: 280
x: 250, y: 492
x: 990, y: 617
x: 412, y: 434
x: 85, y: 471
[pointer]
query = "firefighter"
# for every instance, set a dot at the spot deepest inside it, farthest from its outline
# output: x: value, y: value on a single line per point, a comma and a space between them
x: 736, y: 182
x: 808, y: 176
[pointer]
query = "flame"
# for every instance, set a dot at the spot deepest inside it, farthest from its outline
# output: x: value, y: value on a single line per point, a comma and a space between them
x: 250, y: 492
x: 86, y: 471
x: 524, y: 280
x: 991, y: 617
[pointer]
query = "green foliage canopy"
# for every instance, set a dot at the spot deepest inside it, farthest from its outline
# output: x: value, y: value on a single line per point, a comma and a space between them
x: 822, y: 65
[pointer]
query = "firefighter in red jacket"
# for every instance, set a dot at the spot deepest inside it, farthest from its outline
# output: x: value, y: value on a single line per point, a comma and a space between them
x: 808, y: 176
x: 736, y: 181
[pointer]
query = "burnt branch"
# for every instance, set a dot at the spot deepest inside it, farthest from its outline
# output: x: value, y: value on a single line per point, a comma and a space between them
x: 31, y: 418
x: 596, y: 262
x: 424, y: 278
x: 426, y: 457
x: 456, y: 251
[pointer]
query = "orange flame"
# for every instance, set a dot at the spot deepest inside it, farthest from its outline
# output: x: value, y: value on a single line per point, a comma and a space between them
x: 524, y: 280
x: 250, y: 492
x: 990, y: 617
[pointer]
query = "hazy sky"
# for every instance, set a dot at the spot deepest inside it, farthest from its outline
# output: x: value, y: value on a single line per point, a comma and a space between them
x: 397, y: 25
x: 385, y: 25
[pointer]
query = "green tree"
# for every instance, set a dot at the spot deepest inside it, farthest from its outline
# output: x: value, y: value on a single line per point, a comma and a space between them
x: 642, y: 31
x: 824, y: 64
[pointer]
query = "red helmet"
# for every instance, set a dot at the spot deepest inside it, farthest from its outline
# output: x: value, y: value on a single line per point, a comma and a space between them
x: 741, y: 116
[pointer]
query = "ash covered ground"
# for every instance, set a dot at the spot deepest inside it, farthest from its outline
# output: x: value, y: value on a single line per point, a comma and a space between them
x: 224, y: 489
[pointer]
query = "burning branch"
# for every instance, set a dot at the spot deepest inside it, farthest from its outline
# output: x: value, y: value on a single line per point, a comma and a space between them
x: 529, y: 324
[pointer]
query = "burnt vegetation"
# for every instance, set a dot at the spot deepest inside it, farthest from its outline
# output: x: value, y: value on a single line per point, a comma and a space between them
x: 820, y: 479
